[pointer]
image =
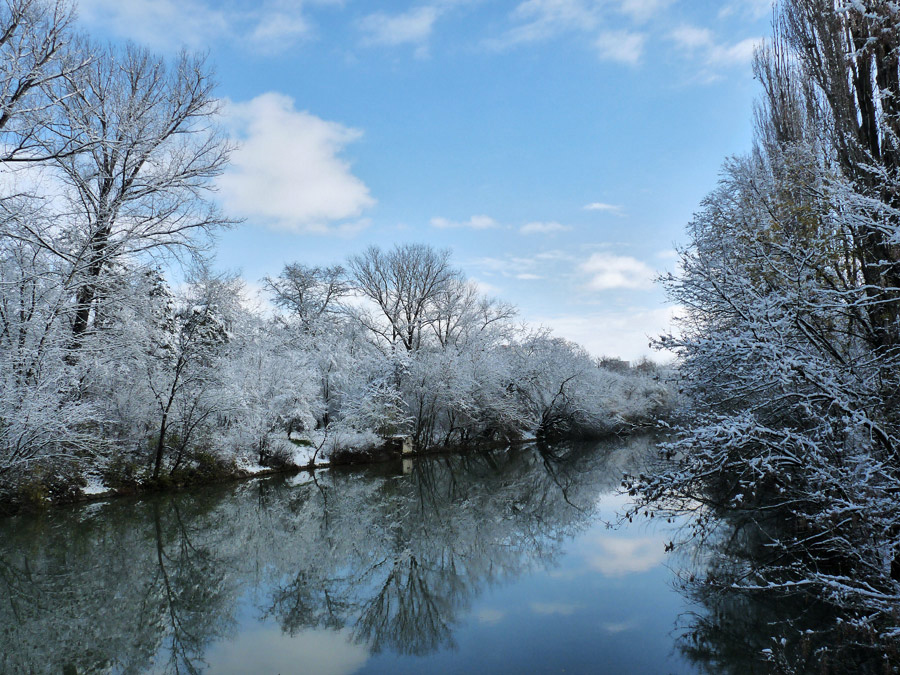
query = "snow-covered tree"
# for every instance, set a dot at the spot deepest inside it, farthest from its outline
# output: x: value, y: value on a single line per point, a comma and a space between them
x: 308, y: 294
x: 113, y: 369
x: 789, y: 345
x: 151, y: 151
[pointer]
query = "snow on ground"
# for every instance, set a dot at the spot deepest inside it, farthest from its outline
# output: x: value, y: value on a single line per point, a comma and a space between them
x: 330, y: 442
x: 302, y: 455
x: 250, y: 467
x: 94, y: 487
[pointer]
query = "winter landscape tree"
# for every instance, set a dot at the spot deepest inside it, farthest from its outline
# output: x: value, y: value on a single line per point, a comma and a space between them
x: 403, y: 284
x: 151, y: 153
x: 308, y: 294
x: 125, y: 360
x: 789, y: 344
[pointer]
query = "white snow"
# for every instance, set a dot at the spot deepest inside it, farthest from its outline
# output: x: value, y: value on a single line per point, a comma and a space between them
x: 94, y: 487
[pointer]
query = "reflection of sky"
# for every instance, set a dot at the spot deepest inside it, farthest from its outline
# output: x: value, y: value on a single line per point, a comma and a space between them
x: 605, y: 605
x: 266, y: 649
x: 620, y: 556
x: 608, y: 607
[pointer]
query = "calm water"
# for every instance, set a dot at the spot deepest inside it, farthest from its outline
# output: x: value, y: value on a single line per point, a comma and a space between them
x: 496, y: 562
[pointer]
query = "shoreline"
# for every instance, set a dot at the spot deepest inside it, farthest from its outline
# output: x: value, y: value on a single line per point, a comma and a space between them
x: 381, y: 455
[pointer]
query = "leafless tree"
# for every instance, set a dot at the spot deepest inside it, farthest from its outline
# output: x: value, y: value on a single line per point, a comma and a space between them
x: 849, y: 56
x: 152, y: 150
x: 35, y: 36
x: 308, y: 293
x: 404, y: 283
x: 460, y: 311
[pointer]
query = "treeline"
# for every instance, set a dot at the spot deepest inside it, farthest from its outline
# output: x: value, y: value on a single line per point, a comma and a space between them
x: 790, y: 348
x: 110, y: 375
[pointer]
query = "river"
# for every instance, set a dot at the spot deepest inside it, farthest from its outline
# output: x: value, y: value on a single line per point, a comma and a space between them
x: 506, y: 561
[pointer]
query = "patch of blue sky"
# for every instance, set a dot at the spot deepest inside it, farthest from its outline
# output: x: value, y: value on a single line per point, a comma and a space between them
x: 559, y: 147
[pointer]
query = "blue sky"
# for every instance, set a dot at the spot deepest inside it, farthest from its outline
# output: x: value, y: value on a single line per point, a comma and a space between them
x: 557, y: 146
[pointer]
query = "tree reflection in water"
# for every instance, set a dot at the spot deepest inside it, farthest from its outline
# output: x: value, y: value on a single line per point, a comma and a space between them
x: 770, y: 629
x: 136, y: 585
x: 115, y: 587
x: 393, y: 561
x: 420, y: 547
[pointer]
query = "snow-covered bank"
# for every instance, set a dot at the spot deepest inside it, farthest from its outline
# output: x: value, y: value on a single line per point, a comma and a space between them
x: 301, y: 467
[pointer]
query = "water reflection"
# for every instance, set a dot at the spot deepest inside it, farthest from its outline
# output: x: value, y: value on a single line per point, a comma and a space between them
x: 400, y: 559
x: 322, y: 574
x: 773, y: 630
x: 391, y: 567
x: 373, y: 557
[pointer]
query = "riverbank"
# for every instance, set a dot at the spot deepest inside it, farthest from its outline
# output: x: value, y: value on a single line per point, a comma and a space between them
x: 38, y: 496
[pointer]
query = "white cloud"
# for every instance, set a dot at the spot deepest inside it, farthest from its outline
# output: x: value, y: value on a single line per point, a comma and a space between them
x: 287, y: 172
x: 486, y: 288
x: 543, y: 228
x: 621, y: 46
x: 562, y: 13
x: 277, y: 30
x: 624, y: 333
x: 474, y: 223
x: 162, y: 24
x: 600, y: 206
x: 553, y: 255
x: 412, y: 27
x: 608, y: 271
x: 539, y: 20
x: 642, y: 10
x: 737, y: 54
x: 271, y: 25
x: 492, y: 265
x: 692, y: 37
x: 510, y: 266
x: 700, y: 42
x: 546, y: 265
x: 755, y: 9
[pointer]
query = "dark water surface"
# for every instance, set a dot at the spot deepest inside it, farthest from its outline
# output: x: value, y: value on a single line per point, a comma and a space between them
x: 496, y: 562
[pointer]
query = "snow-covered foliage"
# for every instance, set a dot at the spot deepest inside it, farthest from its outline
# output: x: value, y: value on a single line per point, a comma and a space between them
x: 790, y: 345
x: 452, y: 371
x: 111, y: 372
